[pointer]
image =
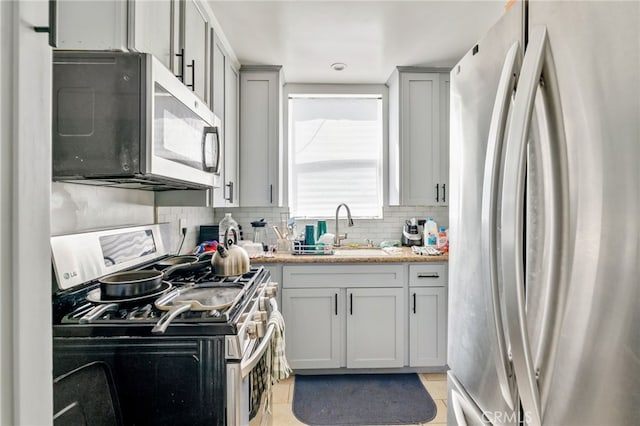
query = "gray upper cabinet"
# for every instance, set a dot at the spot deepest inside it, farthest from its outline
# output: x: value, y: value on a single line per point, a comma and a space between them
x: 195, y: 42
x: 417, y: 128
x: 218, y: 71
x: 162, y: 28
x: 153, y: 29
x: 225, y: 92
x: 260, y: 133
x: 442, y: 181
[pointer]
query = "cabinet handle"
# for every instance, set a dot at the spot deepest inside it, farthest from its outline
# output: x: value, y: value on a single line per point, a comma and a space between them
x: 193, y: 75
x: 437, y: 192
x: 230, y: 186
x: 181, y: 56
x: 336, y: 303
x: 271, y: 194
x: 436, y: 275
x: 444, y: 192
x: 351, y: 303
x: 52, y: 29
x: 414, y: 303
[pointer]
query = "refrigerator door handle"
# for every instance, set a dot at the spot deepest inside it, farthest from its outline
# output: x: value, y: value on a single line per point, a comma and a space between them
x: 512, y: 218
x: 489, y: 220
x: 466, y: 412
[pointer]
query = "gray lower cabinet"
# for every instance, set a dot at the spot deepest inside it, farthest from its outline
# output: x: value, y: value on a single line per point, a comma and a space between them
x: 344, y: 315
x: 427, y: 328
x: 427, y: 315
x: 314, y: 327
x: 375, y: 327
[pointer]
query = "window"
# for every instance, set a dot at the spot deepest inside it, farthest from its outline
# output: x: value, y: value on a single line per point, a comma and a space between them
x: 335, y: 155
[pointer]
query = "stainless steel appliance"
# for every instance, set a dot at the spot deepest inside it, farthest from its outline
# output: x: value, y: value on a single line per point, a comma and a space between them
x: 412, y: 234
x: 124, y: 120
x: 203, y: 367
x: 544, y: 296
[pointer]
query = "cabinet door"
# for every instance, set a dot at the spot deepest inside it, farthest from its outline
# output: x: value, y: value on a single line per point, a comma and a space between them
x: 375, y: 327
x: 420, y: 137
x: 259, y: 111
x: 314, y: 319
x: 218, y: 70
x: 443, y: 163
x: 227, y: 195
x: 427, y: 326
x: 231, y: 115
x: 195, y: 35
x: 153, y: 29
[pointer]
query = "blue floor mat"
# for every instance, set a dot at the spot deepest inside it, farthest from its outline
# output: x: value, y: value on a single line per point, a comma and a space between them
x: 362, y: 399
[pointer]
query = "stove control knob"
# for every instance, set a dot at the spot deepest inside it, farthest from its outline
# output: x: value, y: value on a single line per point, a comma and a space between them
x: 271, y: 290
x: 252, y: 329
x: 262, y: 316
x: 263, y: 303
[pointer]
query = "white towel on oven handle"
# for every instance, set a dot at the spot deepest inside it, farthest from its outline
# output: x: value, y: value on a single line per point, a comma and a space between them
x: 280, y: 369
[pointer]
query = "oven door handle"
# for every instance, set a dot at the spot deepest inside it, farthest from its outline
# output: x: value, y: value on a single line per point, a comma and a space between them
x: 247, y: 365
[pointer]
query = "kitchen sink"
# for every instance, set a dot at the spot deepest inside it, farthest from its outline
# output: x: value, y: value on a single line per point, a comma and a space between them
x: 366, y: 252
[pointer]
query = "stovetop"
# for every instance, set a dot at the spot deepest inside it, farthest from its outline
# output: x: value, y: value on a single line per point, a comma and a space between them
x: 139, y: 316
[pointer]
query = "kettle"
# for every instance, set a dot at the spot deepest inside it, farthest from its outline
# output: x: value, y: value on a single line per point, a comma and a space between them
x: 230, y: 259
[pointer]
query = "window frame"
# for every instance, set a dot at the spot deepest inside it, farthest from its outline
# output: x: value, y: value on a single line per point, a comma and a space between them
x: 298, y: 89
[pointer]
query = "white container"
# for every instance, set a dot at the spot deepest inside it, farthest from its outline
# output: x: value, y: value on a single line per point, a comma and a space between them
x: 430, y: 233
x: 227, y: 222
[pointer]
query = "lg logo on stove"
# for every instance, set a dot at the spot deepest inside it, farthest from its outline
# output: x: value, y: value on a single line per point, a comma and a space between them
x: 68, y: 275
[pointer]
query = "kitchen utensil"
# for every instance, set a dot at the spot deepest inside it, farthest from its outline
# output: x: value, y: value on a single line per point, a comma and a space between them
x: 230, y: 259
x: 278, y: 233
x: 130, y: 283
x: 112, y: 304
x: 260, y: 233
x: 198, y: 298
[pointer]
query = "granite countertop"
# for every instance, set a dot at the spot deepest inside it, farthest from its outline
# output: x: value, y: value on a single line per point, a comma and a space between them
x: 403, y: 255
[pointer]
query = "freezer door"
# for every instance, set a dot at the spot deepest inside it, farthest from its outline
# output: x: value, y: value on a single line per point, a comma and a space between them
x: 582, y: 314
x: 478, y: 353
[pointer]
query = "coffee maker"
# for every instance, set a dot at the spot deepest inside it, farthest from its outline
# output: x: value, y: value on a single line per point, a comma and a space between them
x: 412, y: 232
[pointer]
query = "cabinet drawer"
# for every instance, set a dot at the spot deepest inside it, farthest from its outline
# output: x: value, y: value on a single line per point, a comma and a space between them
x: 319, y: 276
x: 428, y: 275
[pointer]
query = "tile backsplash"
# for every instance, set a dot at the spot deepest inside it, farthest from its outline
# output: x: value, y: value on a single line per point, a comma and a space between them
x: 387, y: 228
x: 192, y: 218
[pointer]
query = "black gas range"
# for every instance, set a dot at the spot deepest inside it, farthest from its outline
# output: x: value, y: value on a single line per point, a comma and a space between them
x: 196, y: 371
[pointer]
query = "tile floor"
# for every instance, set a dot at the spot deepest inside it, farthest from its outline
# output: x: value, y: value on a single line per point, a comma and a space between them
x: 436, y: 385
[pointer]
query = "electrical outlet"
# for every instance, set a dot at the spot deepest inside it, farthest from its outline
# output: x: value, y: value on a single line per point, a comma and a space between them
x: 182, y: 225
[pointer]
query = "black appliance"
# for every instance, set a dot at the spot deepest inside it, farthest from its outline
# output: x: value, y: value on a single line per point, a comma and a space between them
x: 200, y: 370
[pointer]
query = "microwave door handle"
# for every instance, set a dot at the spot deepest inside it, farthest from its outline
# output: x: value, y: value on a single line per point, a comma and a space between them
x: 216, y: 141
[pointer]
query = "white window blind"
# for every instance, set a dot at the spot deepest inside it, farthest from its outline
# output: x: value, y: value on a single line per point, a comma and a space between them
x: 335, y: 155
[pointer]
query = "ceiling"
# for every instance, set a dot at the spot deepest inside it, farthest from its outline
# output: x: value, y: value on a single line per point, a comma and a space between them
x: 370, y: 37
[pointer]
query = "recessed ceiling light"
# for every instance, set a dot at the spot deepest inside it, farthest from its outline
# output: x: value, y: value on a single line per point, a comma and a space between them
x: 338, y: 66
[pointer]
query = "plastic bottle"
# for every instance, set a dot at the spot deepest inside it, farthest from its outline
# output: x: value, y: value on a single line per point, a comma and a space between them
x: 431, y: 233
x: 443, y: 240
x: 224, y: 224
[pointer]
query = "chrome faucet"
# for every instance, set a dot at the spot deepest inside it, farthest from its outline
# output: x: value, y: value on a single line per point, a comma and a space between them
x: 339, y: 237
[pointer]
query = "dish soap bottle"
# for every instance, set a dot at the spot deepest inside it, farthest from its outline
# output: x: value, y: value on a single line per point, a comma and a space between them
x: 431, y: 233
x: 225, y: 223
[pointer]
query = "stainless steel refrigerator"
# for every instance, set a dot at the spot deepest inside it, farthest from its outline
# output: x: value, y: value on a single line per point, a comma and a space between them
x: 544, y: 290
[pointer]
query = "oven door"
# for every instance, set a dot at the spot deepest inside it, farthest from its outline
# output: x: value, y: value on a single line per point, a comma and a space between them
x: 184, y: 138
x: 249, y: 400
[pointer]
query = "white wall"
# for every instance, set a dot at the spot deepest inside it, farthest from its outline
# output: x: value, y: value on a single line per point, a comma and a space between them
x: 25, y: 172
